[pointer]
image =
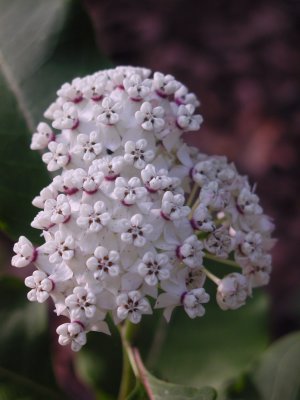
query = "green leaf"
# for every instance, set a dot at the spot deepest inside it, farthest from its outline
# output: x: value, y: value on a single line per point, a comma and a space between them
x: 42, y: 45
x: 25, y: 359
x: 277, y: 374
x: 168, y: 391
x: 213, y: 349
x: 99, y: 362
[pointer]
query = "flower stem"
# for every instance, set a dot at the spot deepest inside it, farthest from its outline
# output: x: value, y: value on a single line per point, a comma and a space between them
x: 129, y: 368
x: 212, y: 277
x: 221, y: 260
x: 192, y: 194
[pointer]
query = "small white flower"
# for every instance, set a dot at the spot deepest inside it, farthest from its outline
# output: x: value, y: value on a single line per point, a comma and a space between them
x: 59, y: 209
x: 251, y: 246
x: 40, y: 285
x: 109, y: 166
x: 172, y: 206
x: 154, y: 268
x: 213, y: 196
x: 94, y: 87
x: 88, y: 146
x: 129, y: 192
x: 164, y: 85
x: 104, y: 263
x: 92, y: 180
x: 60, y: 248
x: 186, y: 119
x: 72, y: 333
x: 66, y: 118
x: 202, y: 219
x: 108, y: 112
x: 93, y: 218
x: 131, y: 306
x: 25, y: 253
x: 190, y: 252
x: 136, y: 153
x: 247, y: 203
x: 203, y: 172
x: 137, y: 88
x: 153, y: 180
x: 232, y: 291
x: 136, y: 231
x: 182, y: 96
x: 150, y: 118
x: 193, y: 300
x: 58, y: 156
x: 258, y: 274
x: 42, y: 137
x: 219, y: 242
x: 71, y: 92
x: 82, y: 303
x: 49, y: 192
x: 70, y: 182
x: 42, y: 221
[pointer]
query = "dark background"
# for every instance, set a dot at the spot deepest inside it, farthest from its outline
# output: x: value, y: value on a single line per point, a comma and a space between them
x: 242, y: 59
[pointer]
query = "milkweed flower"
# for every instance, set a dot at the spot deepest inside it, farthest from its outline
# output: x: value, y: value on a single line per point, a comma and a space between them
x: 133, y: 212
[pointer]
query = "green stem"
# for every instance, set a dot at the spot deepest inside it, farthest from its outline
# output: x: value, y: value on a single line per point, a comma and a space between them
x: 221, y: 260
x: 129, y: 369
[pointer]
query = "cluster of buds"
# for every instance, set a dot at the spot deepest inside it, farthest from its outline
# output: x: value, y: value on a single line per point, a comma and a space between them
x: 133, y: 213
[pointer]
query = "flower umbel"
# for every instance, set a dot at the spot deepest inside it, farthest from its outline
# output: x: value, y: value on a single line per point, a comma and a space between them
x: 133, y: 213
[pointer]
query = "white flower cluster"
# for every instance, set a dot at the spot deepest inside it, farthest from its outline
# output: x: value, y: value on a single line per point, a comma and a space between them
x: 134, y: 212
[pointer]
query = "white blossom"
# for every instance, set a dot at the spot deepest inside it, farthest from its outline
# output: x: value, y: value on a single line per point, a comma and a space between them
x: 150, y: 118
x: 182, y: 96
x: 40, y: 286
x: 154, y: 268
x: 132, y: 212
x: 247, y: 202
x: 190, y: 252
x: 164, y: 84
x: 104, y: 262
x: 94, y: 87
x: 42, y: 137
x: 131, y: 306
x: 66, y: 117
x: 93, y: 218
x: 186, y: 119
x: 153, y: 180
x: 137, y: 154
x: 136, y: 87
x: 72, y: 333
x: 82, y: 303
x: 202, y: 219
x: 136, y: 231
x: 88, y: 147
x: 232, y: 291
x: 173, y: 207
x: 108, y: 112
x: 25, y: 253
x: 193, y: 300
x: 219, y: 242
x: 57, y: 157
x: 129, y: 192
x: 58, y: 209
x: 60, y: 247
x: 71, y: 92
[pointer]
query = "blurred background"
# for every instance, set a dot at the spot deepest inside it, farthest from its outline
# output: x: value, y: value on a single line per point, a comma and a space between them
x: 242, y: 59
